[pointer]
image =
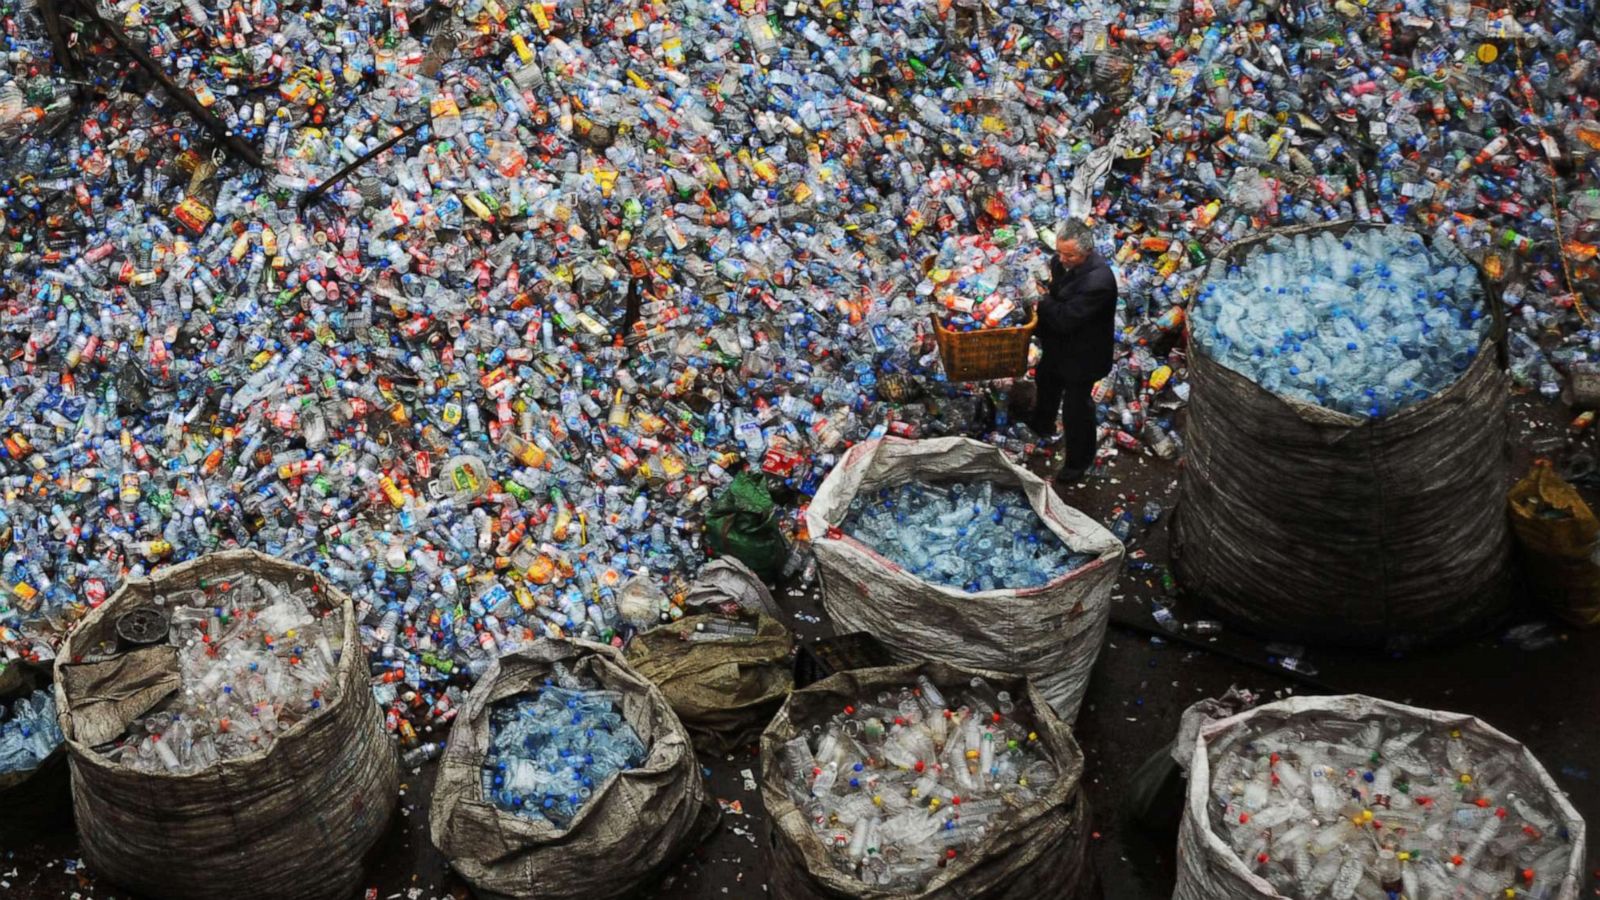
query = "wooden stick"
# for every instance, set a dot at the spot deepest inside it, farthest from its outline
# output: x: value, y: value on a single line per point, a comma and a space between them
x: 313, y: 195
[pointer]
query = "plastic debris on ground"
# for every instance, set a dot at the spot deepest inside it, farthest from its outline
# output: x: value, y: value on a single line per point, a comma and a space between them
x: 1365, y: 809
x: 34, y: 98
x: 902, y: 783
x: 549, y: 752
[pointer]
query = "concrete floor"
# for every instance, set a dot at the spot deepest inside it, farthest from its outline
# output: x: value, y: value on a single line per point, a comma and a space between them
x: 1546, y: 698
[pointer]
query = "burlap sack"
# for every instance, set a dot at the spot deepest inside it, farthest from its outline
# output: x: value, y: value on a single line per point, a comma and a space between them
x: 1559, y: 552
x: 1050, y: 633
x: 633, y: 828
x: 1303, y: 523
x: 1041, y: 854
x: 292, y: 821
x: 723, y: 691
x: 723, y: 581
x: 1208, y: 869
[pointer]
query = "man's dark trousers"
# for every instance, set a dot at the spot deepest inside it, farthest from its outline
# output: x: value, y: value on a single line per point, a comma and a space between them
x: 1077, y: 318
x: 1074, y: 401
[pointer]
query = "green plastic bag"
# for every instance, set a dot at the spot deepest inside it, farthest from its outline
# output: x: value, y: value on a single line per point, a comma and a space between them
x: 742, y: 522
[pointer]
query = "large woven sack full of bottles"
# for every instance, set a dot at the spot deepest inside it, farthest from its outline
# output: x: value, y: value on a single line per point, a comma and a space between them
x: 1050, y: 633
x: 1352, y: 796
x: 627, y: 832
x: 1029, y: 843
x: 35, y: 797
x: 1302, y: 522
x: 291, y: 820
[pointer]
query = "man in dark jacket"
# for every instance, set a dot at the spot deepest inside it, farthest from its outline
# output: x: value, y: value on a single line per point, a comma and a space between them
x: 1075, y: 331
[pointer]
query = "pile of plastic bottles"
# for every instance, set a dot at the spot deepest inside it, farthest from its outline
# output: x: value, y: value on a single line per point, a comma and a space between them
x: 979, y: 537
x: 29, y: 732
x: 34, y: 96
x: 552, y: 748
x: 493, y: 371
x: 1371, y: 808
x: 255, y: 657
x: 900, y: 784
x: 984, y: 281
x: 1366, y: 323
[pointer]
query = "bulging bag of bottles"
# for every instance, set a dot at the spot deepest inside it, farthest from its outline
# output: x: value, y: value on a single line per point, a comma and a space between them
x: 1560, y: 540
x: 1314, y: 509
x: 924, y: 782
x: 512, y: 832
x: 1050, y: 630
x: 724, y: 677
x: 1352, y: 796
x: 247, y: 762
x: 34, y: 792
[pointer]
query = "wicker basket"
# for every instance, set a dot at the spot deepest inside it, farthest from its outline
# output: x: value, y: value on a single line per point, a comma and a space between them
x: 986, y: 354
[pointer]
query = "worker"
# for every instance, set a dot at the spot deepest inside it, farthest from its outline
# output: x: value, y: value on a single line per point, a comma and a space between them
x: 1075, y: 331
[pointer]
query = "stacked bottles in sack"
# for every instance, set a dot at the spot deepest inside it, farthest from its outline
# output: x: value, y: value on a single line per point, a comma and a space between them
x: 29, y: 732
x: 979, y: 537
x: 1374, y: 808
x: 986, y: 281
x: 1365, y: 324
x: 255, y: 657
x: 899, y: 784
x: 552, y: 748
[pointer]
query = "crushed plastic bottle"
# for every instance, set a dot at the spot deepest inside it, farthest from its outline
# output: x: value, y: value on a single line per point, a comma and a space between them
x: 29, y: 732
x: 1532, y: 636
x: 900, y: 784
x: 550, y: 750
x: 1387, y: 807
x: 724, y: 630
x: 978, y: 537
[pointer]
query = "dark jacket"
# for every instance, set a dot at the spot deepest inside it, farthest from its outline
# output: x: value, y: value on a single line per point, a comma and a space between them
x: 1076, y: 320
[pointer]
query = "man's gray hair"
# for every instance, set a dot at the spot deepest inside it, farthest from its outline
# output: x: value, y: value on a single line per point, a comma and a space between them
x: 1076, y: 232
